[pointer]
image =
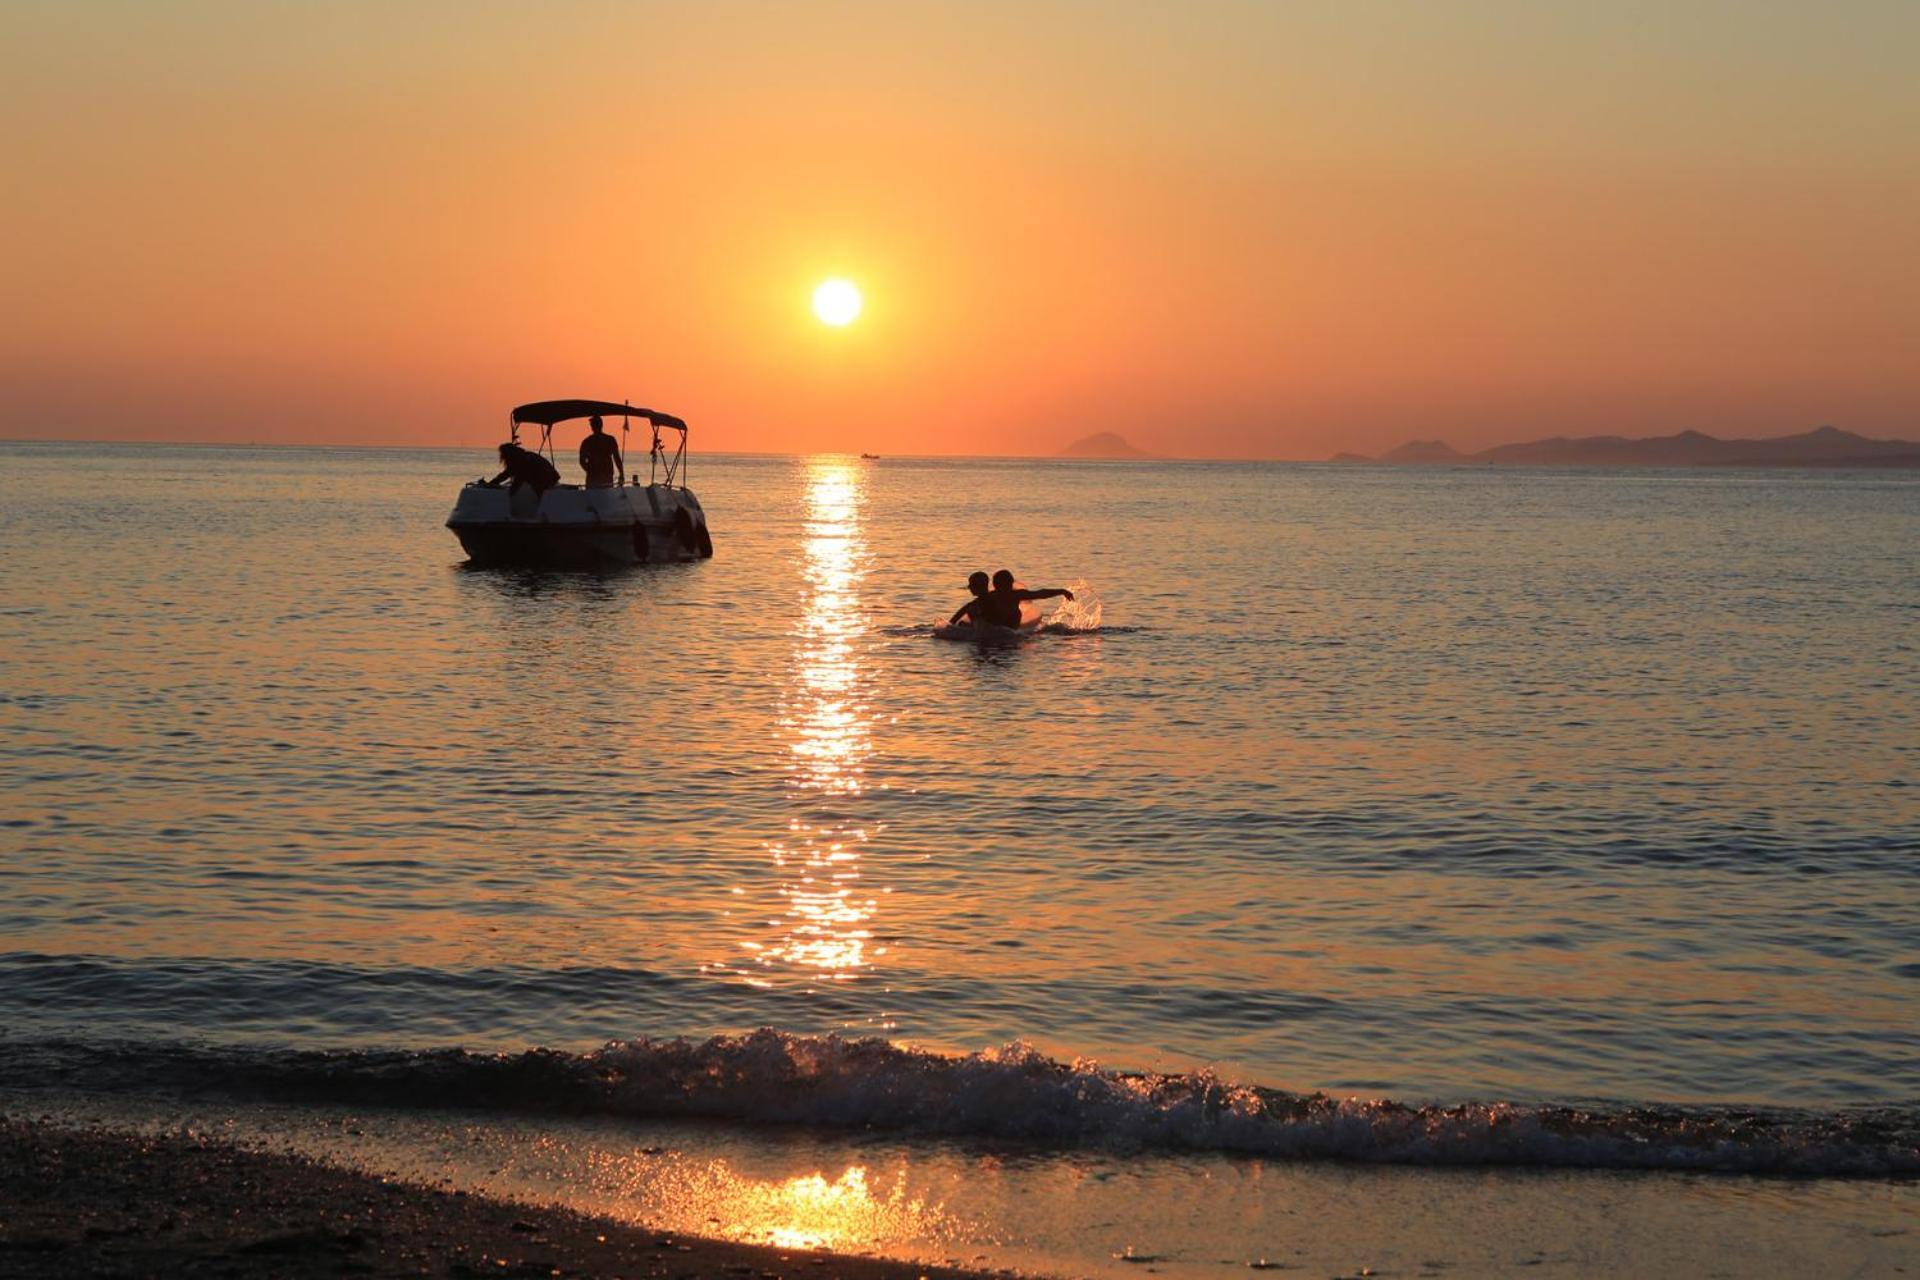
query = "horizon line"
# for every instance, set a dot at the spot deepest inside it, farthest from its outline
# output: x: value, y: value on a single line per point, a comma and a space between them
x: 1062, y: 456
x: 714, y: 453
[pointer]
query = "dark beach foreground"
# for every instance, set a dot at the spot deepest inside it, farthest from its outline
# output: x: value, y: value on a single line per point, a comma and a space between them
x: 95, y: 1203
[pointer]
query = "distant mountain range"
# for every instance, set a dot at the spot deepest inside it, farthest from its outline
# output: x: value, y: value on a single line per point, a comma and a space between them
x: 1106, y: 444
x: 1825, y: 447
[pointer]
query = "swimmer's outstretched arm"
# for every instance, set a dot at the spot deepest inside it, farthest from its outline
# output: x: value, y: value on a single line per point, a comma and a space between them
x: 1047, y: 594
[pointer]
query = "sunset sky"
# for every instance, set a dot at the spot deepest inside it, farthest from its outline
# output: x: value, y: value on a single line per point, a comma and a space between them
x: 1222, y: 229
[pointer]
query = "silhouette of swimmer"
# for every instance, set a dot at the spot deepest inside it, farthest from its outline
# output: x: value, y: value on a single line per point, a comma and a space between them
x: 600, y: 457
x: 1000, y: 607
x: 974, y: 610
x: 523, y: 467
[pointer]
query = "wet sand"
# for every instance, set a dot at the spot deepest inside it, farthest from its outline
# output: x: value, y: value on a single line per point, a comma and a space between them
x: 97, y: 1203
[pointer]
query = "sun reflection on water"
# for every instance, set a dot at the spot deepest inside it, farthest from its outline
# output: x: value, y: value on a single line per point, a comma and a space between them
x: 824, y: 929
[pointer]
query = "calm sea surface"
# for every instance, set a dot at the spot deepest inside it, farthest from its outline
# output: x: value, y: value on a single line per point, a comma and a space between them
x: 1437, y: 785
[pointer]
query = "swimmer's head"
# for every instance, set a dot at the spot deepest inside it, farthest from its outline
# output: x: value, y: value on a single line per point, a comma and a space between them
x: 977, y: 582
x: 1003, y: 580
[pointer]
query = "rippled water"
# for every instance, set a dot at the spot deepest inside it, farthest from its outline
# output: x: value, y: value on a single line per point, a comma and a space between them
x: 1433, y: 784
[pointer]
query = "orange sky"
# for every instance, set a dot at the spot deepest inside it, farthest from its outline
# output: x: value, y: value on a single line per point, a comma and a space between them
x: 1263, y: 229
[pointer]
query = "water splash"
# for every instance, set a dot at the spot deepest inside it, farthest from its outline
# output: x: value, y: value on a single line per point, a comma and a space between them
x: 1078, y: 615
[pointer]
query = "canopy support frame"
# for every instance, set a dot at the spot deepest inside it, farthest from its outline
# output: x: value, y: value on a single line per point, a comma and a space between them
x: 660, y: 460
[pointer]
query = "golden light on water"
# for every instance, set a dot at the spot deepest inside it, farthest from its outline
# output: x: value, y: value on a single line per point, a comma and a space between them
x: 823, y: 929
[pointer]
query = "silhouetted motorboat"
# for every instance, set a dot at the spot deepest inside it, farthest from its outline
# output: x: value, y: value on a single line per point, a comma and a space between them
x: 871, y: 457
x: 571, y: 524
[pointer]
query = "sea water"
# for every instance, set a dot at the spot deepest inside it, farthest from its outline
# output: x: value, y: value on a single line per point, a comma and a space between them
x: 1417, y: 816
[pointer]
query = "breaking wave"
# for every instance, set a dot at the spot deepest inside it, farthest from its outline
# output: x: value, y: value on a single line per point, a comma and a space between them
x: 1013, y: 1093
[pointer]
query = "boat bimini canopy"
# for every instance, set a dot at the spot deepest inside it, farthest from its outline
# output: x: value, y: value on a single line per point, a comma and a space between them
x: 546, y: 413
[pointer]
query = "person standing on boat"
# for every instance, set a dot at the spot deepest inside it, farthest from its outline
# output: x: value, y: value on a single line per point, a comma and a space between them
x: 600, y: 457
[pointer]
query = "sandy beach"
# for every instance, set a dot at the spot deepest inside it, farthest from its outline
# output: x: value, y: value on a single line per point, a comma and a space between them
x: 96, y: 1203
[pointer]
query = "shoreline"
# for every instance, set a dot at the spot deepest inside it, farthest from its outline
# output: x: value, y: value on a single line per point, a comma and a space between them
x: 84, y: 1202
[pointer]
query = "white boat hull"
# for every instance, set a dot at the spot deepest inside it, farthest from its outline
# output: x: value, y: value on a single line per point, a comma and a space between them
x: 573, y: 526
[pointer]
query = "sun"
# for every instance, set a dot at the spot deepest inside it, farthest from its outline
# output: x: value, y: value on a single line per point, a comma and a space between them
x: 836, y: 302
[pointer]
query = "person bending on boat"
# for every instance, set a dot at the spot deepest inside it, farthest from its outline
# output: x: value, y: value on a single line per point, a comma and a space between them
x: 523, y: 467
x: 974, y: 610
x: 600, y: 457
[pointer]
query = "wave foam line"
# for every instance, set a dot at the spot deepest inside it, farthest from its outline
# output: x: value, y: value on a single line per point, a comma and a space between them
x: 772, y: 1077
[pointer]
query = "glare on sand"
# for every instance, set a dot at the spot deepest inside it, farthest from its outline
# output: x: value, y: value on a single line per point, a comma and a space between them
x: 808, y: 1212
x: 815, y: 1210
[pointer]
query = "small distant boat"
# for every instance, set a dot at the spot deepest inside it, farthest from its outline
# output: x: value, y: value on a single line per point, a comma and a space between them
x: 871, y: 457
x: 574, y: 525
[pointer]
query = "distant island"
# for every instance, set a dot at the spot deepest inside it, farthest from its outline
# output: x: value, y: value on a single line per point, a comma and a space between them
x: 1105, y: 444
x: 1824, y: 447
